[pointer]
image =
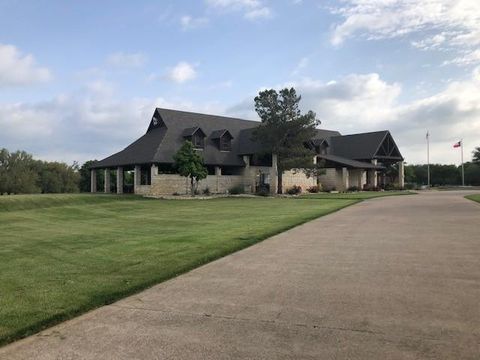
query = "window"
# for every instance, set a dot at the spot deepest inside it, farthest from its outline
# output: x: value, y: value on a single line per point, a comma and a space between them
x: 198, y: 140
x: 225, y: 143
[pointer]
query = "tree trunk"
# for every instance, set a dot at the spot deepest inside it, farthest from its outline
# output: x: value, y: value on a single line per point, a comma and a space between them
x: 192, y: 189
x: 279, y: 182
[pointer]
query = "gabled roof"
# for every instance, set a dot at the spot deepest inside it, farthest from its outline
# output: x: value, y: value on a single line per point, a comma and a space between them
x: 191, y: 131
x: 217, y: 134
x: 363, y: 146
x: 164, y: 139
x: 349, y: 162
x: 168, y: 128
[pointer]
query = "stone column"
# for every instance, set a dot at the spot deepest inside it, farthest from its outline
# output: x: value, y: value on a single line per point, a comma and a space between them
x: 218, y: 172
x: 274, y: 175
x: 93, y: 180
x: 153, y: 173
x: 345, y: 179
x: 248, y: 177
x: 106, y: 183
x: 120, y: 180
x: 362, y: 179
x: 372, y: 174
x: 401, y: 174
x: 136, y: 178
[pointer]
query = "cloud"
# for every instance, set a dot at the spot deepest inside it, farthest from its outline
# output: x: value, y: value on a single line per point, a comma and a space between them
x: 127, y: 60
x: 90, y: 123
x: 182, y: 72
x: 252, y: 9
x: 455, y: 24
x: 188, y: 22
x: 302, y: 64
x: 17, y: 69
x: 365, y: 102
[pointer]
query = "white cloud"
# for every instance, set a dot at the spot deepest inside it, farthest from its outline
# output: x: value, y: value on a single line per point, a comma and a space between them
x: 188, y: 22
x: 455, y: 24
x: 259, y: 13
x: 365, y: 102
x: 90, y: 123
x: 182, y: 72
x: 128, y: 60
x: 18, y: 69
x: 302, y: 64
x: 252, y: 9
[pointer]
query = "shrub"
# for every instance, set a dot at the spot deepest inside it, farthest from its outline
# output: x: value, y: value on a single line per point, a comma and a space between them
x: 314, y: 189
x: 206, y: 191
x: 353, y: 188
x: 236, y: 190
x: 294, y: 190
x: 263, y: 191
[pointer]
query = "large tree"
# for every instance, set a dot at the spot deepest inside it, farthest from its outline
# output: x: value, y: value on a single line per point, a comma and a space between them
x: 190, y: 164
x: 476, y: 155
x: 285, y: 131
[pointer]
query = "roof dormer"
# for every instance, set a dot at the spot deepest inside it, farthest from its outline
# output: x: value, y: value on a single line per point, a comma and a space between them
x: 223, y: 139
x: 196, y: 136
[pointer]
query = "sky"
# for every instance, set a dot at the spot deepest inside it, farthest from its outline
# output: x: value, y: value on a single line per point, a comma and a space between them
x: 80, y: 80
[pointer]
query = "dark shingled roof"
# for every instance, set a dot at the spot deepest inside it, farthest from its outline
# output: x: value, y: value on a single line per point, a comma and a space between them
x: 166, y: 134
x: 361, y: 146
x: 159, y: 144
x: 349, y: 162
x: 217, y: 134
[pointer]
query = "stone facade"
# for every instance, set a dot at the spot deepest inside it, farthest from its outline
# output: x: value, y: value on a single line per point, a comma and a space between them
x: 298, y: 178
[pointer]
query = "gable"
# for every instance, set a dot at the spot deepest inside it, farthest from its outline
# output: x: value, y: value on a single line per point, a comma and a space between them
x: 388, y: 149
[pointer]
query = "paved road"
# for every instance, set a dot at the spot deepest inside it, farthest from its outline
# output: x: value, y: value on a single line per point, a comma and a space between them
x: 390, y: 278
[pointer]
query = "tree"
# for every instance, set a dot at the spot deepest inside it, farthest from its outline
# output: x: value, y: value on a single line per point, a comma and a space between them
x: 190, y: 164
x: 284, y: 131
x: 476, y: 155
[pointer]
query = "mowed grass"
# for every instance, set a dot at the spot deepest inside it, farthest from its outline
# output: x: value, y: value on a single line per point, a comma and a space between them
x: 61, y: 255
x: 362, y: 195
x: 474, y: 197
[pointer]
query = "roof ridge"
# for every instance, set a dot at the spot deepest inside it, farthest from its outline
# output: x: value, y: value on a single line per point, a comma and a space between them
x: 364, y: 133
x: 198, y: 113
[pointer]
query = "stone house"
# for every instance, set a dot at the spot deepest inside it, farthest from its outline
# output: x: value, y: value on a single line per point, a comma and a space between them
x: 234, y: 159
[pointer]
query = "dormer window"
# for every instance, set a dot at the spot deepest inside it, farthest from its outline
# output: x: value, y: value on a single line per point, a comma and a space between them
x: 196, y: 136
x: 223, y: 139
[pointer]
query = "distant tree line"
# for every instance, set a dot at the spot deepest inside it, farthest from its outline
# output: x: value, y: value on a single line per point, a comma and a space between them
x: 20, y: 173
x: 443, y: 174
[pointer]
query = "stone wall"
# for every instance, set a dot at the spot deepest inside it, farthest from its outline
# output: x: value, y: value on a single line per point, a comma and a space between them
x: 168, y: 184
x: 291, y: 178
x: 329, y: 179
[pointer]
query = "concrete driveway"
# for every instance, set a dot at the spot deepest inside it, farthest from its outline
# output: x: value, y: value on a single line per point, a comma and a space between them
x: 389, y: 278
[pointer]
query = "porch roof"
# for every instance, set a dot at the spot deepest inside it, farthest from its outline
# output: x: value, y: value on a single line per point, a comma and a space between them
x: 349, y: 162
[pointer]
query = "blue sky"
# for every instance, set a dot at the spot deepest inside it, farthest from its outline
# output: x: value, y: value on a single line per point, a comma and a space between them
x: 80, y: 80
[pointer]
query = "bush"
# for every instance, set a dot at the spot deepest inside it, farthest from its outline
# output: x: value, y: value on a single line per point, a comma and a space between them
x: 353, y: 188
x: 237, y: 190
x: 392, y: 187
x: 294, y: 190
x: 263, y: 191
x: 314, y: 189
x: 206, y: 191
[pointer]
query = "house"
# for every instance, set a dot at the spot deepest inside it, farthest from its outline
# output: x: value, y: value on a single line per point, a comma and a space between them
x: 234, y: 159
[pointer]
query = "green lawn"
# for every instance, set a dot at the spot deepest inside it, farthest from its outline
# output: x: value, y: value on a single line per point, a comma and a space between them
x: 474, y: 197
x: 363, y: 195
x: 61, y: 255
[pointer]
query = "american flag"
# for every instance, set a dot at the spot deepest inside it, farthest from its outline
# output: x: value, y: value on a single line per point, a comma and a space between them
x: 457, y: 144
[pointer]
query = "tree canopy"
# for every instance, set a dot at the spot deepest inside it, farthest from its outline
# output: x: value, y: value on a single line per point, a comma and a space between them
x: 21, y: 174
x: 284, y: 130
x: 190, y: 164
x: 476, y: 155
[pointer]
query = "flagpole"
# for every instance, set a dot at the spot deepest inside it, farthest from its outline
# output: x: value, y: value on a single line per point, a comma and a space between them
x: 428, y: 159
x: 463, y: 172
